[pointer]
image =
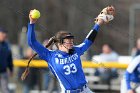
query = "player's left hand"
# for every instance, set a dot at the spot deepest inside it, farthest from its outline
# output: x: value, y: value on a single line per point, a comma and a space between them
x: 107, y: 14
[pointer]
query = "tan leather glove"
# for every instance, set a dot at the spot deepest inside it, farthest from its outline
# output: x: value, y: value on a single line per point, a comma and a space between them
x: 107, y: 14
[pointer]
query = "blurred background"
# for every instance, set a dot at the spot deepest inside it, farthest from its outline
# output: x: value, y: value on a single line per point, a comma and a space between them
x: 117, y: 39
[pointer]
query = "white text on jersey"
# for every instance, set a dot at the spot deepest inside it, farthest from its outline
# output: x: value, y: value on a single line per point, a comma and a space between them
x: 67, y: 59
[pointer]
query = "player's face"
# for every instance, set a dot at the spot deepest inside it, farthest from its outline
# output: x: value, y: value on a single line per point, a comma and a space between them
x: 68, y: 43
x: 2, y: 36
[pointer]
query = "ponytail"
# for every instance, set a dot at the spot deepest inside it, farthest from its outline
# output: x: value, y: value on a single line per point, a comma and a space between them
x: 26, y: 72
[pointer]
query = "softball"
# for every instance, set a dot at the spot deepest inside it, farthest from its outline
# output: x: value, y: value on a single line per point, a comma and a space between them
x: 35, y: 14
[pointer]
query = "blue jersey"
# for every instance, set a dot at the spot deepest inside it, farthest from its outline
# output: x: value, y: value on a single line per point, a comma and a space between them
x: 133, y: 72
x: 67, y: 68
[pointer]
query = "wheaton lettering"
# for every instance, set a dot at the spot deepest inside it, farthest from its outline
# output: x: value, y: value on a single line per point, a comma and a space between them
x: 67, y: 60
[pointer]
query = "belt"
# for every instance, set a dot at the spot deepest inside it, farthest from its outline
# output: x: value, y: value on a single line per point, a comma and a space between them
x: 76, y: 90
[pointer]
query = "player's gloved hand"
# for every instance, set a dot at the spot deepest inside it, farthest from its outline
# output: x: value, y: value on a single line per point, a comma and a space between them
x: 107, y: 14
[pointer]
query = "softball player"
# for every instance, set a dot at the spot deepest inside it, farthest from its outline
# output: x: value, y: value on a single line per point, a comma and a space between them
x: 131, y: 79
x: 65, y: 62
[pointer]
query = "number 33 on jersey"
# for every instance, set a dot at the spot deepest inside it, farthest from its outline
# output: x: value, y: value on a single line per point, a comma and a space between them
x: 70, y: 69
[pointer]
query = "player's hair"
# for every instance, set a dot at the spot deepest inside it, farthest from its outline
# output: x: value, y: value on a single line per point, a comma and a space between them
x: 58, y: 38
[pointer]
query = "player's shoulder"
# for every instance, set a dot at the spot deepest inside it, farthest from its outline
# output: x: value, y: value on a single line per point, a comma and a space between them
x: 133, y: 64
x: 80, y: 45
x: 52, y: 51
x: 76, y: 48
x: 137, y: 58
x: 86, y: 42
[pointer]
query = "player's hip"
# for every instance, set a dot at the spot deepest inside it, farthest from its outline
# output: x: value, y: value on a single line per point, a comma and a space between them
x: 83, y: 89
